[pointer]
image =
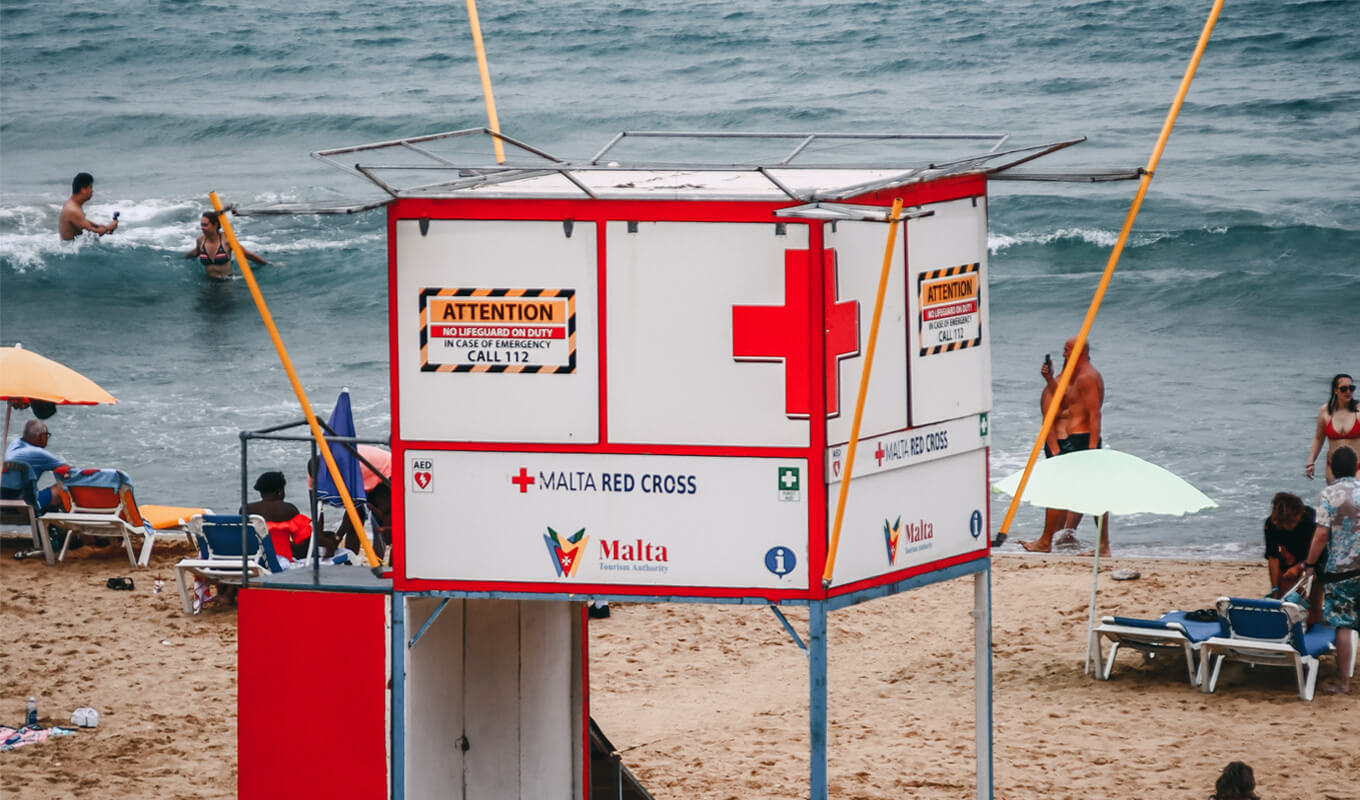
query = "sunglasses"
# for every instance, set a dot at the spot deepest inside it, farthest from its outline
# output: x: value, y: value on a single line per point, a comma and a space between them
x: 1350, y: 388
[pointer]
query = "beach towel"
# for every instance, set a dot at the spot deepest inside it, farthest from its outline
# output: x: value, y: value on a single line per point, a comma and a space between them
x: 11, y: 738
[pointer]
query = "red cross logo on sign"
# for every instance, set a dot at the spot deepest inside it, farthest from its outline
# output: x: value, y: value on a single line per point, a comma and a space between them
x: 780, y: 333
x: 523, y: 480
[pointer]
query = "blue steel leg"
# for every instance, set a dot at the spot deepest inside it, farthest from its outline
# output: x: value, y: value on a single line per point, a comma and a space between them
x: 982, y: 680
x: 817, y: 784
x: 397, y: 653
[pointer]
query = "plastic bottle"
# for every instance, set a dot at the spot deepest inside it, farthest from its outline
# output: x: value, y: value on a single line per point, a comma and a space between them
x: 31, y: 718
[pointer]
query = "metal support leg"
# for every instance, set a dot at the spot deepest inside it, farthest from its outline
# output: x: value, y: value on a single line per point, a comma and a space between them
x: 817, y: 778
x: 398, y: 655
x: 982, y: 680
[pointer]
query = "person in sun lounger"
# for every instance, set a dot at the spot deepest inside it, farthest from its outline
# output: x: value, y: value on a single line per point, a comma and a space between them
x: 289, y: 528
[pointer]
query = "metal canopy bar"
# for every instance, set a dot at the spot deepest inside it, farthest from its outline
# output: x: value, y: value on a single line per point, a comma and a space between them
x: 301, y: 209
x: 1072, y: 176
x: 408, y: 143
x: 846, y: 211
x: 804, y: 139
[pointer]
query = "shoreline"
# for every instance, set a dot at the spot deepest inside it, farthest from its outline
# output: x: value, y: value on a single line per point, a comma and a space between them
x: 710, y: 701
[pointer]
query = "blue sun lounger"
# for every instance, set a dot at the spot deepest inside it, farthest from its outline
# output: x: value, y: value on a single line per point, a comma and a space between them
x: 1267, y: 632
x: 1169, y: 633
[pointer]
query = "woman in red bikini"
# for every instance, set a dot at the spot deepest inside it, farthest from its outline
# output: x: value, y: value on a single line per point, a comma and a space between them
x: 1337, y: 422
x: 212, y: 251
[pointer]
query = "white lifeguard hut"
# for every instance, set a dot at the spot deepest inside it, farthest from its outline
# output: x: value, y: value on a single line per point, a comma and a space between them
x: 636, y: 379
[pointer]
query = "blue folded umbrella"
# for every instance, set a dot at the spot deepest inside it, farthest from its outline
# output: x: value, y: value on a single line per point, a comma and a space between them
x: 351, y: 470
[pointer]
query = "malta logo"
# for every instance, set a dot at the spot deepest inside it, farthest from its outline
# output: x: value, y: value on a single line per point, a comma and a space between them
x: 891, y: 534
x: 566, y: 551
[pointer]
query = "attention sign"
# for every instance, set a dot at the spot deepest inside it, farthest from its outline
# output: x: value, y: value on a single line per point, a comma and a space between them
x: 951, y: 317
x: 498, y: 330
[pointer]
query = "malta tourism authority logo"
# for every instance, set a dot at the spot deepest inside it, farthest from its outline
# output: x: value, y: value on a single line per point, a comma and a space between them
x: 566, y: 551
x: 892, y: 533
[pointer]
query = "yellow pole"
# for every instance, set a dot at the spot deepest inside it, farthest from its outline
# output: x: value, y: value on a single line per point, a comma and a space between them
x: 1066, y: 377
x: 893, y: 220
x: 293, y: 378
x: 495, y: 124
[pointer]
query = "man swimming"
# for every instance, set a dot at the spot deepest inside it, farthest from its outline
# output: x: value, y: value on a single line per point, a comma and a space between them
x: 72, y: 221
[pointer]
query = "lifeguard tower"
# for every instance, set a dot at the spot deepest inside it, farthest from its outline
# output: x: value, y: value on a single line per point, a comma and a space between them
x: 635, y: 378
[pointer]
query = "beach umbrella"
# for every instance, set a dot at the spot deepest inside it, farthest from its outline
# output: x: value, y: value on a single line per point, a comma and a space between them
x: 342, y: 424
x: 27, y: 378
x: 1103, y: 481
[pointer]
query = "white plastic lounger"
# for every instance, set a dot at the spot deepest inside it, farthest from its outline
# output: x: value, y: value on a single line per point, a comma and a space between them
x: 1270, y: 633
x: 1171, y: 632
x: 219, y: 557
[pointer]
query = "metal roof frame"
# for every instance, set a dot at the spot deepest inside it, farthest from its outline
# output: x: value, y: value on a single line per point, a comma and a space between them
x: 526, y: 162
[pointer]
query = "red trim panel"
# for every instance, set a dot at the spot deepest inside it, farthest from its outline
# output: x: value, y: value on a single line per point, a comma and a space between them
x: 288, y: 722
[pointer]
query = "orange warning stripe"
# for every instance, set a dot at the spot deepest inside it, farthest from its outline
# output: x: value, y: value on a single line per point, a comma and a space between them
x: 568, y: 294
x: 975, y: 274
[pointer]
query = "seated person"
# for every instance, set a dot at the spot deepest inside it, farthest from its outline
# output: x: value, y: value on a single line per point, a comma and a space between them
x: 31, y: 449
x: 289, y: 529
x: 379, y: 504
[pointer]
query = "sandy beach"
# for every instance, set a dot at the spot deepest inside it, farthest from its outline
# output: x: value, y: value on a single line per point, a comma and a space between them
x: 710, y: 701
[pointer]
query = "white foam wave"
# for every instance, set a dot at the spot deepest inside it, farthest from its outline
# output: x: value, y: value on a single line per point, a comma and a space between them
x: 28, y: 231
x: 1096, y: 236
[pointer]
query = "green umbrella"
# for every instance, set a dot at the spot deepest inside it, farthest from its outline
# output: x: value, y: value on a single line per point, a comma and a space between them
x: 1097, y: 482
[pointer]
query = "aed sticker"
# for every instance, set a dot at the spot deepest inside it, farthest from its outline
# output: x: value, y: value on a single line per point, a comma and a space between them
x: 498, y: 330
x: 951, y: 309
x: 422, y: 475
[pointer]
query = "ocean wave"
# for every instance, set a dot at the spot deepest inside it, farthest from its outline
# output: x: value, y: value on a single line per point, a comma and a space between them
x: 159, y: 227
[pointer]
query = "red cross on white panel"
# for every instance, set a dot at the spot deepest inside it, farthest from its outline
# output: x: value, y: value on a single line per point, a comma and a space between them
x: 780, y: 333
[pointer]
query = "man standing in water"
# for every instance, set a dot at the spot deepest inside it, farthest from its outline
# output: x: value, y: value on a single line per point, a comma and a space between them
x: 1054, y: 518
x: 72, y: 221
x: 1081, y: 417
x: 1082, y: 408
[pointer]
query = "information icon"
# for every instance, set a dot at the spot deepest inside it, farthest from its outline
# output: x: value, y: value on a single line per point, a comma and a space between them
x: 780, y: 561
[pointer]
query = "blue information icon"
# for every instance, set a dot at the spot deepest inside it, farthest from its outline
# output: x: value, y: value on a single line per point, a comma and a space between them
x: 975, y: 523
x: 780, y: 560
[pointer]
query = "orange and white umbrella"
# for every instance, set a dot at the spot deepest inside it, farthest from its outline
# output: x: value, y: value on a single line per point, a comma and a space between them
x: 26, y: 376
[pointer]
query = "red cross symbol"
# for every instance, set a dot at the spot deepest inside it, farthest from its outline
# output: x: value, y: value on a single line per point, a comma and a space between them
x: 523, y: 480
x: 879, y: 454
x: 780, y: 333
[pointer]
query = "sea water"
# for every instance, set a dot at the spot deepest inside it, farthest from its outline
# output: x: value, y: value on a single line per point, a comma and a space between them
x: 1233, y: 305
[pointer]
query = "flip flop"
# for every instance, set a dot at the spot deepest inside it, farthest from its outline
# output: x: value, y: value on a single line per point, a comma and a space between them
x: 121, y: 584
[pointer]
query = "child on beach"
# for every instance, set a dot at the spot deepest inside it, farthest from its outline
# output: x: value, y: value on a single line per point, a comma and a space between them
x: 1237, y: 782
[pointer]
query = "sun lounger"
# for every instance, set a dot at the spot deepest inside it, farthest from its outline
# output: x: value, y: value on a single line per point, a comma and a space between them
x: 24, y: 510
x: 218, y: 537
x: 100, y: 503
x: 1170, y: 633
x: 1266, y: 632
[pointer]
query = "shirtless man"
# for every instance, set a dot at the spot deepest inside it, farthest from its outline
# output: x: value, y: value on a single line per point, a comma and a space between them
x: 1053, y: 517
x: 72, y: 221
x: 1082, y: 407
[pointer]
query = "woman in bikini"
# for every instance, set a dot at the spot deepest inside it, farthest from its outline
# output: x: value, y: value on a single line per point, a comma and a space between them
x: 212, y: 251
x: 1337, y: 422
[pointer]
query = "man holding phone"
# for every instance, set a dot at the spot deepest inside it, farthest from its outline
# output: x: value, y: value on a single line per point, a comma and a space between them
x: 1054, y: 518
x: 72, y: 221
x: 1082, y: 407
